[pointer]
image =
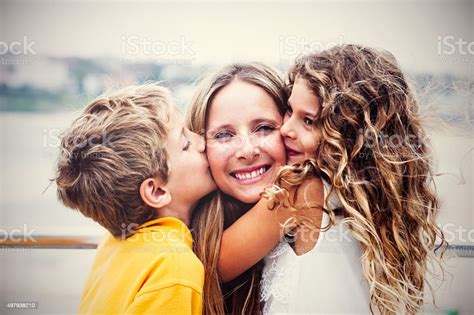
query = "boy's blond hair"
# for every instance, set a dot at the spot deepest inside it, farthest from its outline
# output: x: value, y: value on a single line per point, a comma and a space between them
x: 109, y: 150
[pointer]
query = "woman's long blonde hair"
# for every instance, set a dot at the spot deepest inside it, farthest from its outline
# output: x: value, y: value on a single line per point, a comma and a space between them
x: 375, y: 153
x: 218, y: 210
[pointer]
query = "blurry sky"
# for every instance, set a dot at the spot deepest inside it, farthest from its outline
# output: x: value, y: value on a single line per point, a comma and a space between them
x: 220, y: 32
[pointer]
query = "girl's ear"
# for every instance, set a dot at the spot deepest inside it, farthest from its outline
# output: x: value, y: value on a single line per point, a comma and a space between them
x: 154, y: 193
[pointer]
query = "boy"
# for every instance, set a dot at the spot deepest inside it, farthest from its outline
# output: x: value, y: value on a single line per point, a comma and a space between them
x: 129, y: 164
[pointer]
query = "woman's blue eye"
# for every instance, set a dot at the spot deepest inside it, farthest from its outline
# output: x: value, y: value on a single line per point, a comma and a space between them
x: 265, y: 128
x: 223, y: 135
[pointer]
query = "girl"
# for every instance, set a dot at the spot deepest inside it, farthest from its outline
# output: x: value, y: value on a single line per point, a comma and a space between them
x: 352, y: 111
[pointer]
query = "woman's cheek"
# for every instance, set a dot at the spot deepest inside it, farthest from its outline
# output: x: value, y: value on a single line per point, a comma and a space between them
x: 276, y: 148
x: 217, y: 156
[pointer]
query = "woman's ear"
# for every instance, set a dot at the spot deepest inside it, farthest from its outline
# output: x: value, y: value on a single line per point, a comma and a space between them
x: 154, y: 193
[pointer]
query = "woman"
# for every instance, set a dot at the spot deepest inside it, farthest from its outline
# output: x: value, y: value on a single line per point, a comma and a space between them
x: 239, y: 109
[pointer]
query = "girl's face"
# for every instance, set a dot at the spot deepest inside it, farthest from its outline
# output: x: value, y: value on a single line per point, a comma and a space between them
x: 244, y: 146
x: 301, y: 140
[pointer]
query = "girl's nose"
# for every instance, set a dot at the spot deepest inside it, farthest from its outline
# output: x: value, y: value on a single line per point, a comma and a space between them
x: 287, y: 129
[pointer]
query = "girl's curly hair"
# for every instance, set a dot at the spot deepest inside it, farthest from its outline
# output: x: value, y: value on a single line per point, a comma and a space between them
x: 375, y: 153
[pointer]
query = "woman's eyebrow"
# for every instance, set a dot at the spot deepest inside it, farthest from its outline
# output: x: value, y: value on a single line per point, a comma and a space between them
x: 219, y: 127
x: 260, y: 120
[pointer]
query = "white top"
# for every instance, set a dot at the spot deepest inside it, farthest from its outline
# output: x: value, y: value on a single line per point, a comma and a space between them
x: 326, y: 280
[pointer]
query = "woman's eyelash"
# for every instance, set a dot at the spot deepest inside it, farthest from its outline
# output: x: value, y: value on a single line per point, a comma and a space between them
x: 267, y: 127
x: 222, y: 134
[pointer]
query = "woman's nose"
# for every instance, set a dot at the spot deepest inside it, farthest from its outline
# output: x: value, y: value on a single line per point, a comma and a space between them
x: 247, y: 149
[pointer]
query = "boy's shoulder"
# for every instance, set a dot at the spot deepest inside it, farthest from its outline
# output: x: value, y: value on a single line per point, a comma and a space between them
x: 162, y: 251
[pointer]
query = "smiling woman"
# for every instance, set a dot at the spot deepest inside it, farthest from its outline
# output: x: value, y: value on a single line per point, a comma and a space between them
x: 240, y: 109
x: 244, y: 146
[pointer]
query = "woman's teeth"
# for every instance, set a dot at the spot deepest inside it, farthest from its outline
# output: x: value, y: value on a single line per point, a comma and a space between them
x: 250, y: 175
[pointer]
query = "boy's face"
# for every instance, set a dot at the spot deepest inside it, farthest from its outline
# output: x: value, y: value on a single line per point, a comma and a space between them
x: 190, y: 178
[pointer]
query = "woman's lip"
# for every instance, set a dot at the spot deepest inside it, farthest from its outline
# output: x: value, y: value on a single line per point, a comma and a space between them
x: 250, y: 169
x: 255, y: 179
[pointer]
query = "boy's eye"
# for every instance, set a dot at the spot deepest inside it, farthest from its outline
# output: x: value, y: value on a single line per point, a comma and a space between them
x: 187, y: 145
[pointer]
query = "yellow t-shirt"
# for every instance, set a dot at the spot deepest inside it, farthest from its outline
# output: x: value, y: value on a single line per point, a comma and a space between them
x: 152, y: 272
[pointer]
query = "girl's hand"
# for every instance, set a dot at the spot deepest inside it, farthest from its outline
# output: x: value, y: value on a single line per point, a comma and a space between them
x: 258, y: 231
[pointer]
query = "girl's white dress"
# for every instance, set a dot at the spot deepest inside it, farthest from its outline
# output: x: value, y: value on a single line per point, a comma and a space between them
x: 326, y: 280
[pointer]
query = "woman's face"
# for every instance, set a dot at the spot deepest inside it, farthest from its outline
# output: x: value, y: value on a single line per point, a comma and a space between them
x: 301, y: 140
x: 244, y: 145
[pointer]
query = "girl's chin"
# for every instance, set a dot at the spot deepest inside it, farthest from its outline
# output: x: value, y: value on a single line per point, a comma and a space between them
x: 295, y: 159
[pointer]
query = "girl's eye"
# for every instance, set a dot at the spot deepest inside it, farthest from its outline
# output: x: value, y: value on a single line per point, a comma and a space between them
x: 308, y: 121
x: 289, y: 111
x: 223, y: 135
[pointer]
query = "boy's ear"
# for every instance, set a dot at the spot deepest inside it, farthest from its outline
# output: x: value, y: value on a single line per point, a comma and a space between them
x: 154, y: 193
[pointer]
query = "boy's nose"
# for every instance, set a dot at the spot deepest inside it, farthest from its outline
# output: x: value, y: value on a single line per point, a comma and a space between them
x: 201, y: 143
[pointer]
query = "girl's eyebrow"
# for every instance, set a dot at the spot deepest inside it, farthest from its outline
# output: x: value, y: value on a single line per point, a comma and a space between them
x: 303, y: 112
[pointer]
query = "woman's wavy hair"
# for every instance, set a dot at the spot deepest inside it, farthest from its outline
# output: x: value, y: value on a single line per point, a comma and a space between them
x: 218, y: 210
x: 375, y: 153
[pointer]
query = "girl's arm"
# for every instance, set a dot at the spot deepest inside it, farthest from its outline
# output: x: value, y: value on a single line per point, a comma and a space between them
x: 258, y: 231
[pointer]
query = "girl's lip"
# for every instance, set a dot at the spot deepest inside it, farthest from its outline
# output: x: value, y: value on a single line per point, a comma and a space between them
x: 291, y: 152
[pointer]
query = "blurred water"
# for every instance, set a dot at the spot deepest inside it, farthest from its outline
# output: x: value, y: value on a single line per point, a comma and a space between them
x: 54, y: 278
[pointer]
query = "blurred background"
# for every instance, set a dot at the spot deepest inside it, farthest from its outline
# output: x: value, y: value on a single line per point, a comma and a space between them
x: 56, y: 56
